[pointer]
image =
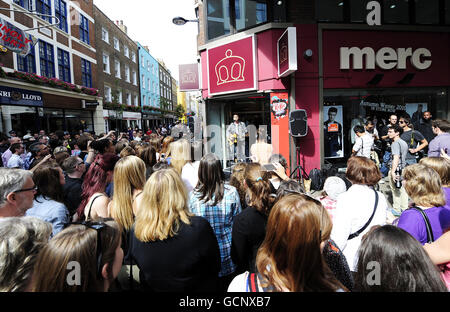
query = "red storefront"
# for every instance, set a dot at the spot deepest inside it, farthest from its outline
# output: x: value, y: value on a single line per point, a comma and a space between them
x: 361, y: 73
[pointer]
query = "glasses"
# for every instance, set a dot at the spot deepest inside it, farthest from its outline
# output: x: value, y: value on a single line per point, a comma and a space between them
x: 98, y: 226
x: 401, y: 121
x: 34, y: 188
x: 80, y: 163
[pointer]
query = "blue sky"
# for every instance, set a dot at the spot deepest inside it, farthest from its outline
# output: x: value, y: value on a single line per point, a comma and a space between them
x: 150, y: 23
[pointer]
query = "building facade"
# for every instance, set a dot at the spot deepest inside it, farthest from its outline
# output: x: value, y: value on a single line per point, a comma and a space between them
x: 328, y: 58
x: 165, y: 92
x: 117, y: 73
x: 54, y: 86
x: 150, y: 97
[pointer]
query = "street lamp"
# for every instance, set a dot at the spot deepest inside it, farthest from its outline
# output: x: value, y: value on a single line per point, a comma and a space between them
x: 181, y: 21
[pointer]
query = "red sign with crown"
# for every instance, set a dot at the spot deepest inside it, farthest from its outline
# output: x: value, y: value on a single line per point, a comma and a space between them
x: 232, y: 67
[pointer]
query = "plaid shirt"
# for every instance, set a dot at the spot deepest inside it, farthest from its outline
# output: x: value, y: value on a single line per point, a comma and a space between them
x: 221, y: 217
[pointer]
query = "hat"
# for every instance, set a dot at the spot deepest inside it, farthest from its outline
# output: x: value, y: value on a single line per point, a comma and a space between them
x: 59, y: 149
x: 66, y: 132
x: 334, y: 186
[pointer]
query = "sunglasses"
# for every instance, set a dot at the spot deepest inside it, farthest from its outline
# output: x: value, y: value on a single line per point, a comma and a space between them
x: 34, y: 188
x: 98, y: 226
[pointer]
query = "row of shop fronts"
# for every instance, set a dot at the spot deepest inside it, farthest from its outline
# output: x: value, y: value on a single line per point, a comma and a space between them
x: 31, y: 107
x: 361, y: 72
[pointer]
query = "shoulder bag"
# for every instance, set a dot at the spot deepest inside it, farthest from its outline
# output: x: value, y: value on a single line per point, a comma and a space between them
x: 356, y: 234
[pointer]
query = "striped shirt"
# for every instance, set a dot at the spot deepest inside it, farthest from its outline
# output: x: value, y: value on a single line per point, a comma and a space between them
x: 221, y: 217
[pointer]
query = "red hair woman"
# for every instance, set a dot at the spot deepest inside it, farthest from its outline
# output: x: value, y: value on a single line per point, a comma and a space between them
x: 94, y: 201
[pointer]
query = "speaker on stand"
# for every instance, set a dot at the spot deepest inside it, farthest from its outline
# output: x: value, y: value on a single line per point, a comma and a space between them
x: 298, y: 128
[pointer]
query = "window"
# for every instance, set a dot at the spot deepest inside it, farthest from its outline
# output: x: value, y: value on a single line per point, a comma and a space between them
x: 330, y: 10
x: 126, y: 51
x: 396, y: 12
x: 44, y: 7
x: 86, y: 73
x: 119, y: 96
x: 136, y: 101
x: 84, y: 29
x: 61, y: 13
x: 253, y: 13
x: 64, y: 65
x: 143, y: 101
x: 133, y: 57
x: 116, y: 44
x: 143, y: 61
x: 427, y: 12
x: 149, y: 85
x: 27, y: 64
x: 128, y: 95
x: 218, y: 18
x: 106, y: 66
x: 23, y: 3
x: 117, y: 69
x: 143, y: 82
x: 47, y: 59
x: 105, y: 35
x: 127, y: 73
x: 108, y: 97
x: 447, y: 12
x: 148, y: 65
x: 134, y: 78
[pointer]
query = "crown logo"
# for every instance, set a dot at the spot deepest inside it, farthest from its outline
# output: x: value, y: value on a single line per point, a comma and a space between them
x: 230, y: 69
x: 189, y: 77
x: 283, y: 54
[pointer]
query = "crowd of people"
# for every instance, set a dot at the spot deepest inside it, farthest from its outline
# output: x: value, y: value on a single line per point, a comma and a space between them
x: 154, y: 212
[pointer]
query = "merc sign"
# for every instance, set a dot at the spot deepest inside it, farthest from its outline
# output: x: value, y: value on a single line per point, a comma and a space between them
x: 385, y: 58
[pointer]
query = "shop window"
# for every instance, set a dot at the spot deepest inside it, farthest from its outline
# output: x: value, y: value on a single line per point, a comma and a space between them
x: 61, y: 13
x: 27, y: 63
x: 427, y: 12
x: 86, y: 73
x: 84, y: 29
x: 396, y: 11
x: 47, y: 62
x: 447, y: 12
x: 330, y: 10
x: 358, y: 10
x: 64, y: 65
x: 44, y: 7
x: 250, y: 13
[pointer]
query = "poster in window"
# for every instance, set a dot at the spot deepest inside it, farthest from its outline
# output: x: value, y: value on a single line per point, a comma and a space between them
x: 333, y: 131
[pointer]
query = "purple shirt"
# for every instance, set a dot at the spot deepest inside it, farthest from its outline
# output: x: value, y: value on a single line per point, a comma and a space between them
x: 447, y: 197
x: 412, y: 222
x: 439, y: 142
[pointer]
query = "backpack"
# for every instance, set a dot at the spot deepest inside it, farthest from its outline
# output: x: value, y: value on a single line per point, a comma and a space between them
x: 317, y: 179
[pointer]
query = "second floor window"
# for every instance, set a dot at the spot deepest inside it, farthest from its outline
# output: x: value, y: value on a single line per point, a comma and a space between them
x: 134, y: 78
x: 84, y: 29
x: 116, y: 44
x: 86, y: 73
x: 106, y: 68
x: 61, y: 13
x: 47, y: 59
x: 44, y: 7
x: 105, y: 35
x: 27, y: 63
x: 117, y: 69
x: 126, y: 51
x: 64, y: 65
x: 127, y: 74
x: 108, y: 97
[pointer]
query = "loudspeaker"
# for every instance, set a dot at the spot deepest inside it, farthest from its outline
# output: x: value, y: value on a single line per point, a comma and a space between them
x: 298, y: 123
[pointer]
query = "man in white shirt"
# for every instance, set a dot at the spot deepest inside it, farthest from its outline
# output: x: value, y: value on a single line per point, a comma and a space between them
x: 363, y: 143
x: 6, y: 155
x: 15, y: 161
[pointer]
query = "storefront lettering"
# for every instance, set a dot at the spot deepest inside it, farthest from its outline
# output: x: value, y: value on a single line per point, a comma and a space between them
x: 29, y: 97
x: 383, y: 107
x: 385, y: 58
x: 374, y: 16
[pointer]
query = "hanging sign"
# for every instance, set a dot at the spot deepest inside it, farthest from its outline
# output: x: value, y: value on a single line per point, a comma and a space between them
x: 287, y: 52
x: 14, y: 39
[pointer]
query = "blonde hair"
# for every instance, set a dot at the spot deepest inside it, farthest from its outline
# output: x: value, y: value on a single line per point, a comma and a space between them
x: 180, y: 152
x: 127, y: 151
x: 166, y: 144
x: 424, y: 186
x: 440, y: 165
x: 129, y: 175
x: 163, y: 207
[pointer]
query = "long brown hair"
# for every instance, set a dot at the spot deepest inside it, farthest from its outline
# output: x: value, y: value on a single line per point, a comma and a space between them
x: 165, y: 145
x: 290, y: 258
x: 77, y: 243
x: 258, y: 188
x: 46, y: 178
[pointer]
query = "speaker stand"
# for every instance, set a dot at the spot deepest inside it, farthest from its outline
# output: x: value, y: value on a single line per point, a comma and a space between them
x: 299, y: 169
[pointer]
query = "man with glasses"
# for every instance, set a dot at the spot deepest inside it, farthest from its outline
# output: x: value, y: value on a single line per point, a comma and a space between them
x: 74, y: 168
x: 17, y: 191
x: 415, y: 140
x: 38, y: 152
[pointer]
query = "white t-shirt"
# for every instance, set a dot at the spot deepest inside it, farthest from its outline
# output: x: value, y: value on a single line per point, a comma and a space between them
x: 363, y: 145
x: 189, y: 175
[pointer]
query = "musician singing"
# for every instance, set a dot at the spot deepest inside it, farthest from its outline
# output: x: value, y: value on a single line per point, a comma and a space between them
x: 236, y: 132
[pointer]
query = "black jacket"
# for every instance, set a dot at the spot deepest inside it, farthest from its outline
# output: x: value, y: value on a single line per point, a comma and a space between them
x: 72, y: 194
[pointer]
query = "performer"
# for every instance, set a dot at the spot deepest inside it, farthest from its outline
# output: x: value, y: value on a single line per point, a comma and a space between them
x: 236, y: 132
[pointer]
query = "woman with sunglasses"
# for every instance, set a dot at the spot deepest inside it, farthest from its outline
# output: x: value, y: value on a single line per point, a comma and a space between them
x: 174, y: 250
x: 84, y: 257
x: 48, y: 202
x: 290, y: 257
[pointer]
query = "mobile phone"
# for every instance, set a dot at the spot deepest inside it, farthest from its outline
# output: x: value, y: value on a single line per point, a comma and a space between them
x: 269, y: 167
